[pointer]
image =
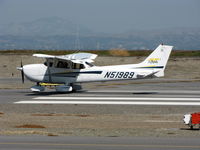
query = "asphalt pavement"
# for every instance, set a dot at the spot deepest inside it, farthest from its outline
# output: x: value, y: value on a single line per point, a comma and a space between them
x: 97, y: 143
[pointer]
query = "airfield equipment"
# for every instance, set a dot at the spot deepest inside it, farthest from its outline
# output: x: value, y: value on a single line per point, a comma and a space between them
x: 192, y: 119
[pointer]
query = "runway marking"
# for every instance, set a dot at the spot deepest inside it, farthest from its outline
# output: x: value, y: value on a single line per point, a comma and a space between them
x: 148, y: 91
x: 111, y: 103
x: 114, y: 101
x: 118, y: 98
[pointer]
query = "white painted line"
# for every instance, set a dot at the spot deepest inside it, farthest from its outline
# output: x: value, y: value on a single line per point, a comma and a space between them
x: 146, y: 91
x: 118, y: 98
x: 110, y: 103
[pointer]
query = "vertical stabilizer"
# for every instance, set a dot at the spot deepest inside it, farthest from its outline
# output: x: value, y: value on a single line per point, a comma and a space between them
x: 158, y: 59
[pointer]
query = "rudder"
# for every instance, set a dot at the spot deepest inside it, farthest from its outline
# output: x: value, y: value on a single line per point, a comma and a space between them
x: 158, y: 59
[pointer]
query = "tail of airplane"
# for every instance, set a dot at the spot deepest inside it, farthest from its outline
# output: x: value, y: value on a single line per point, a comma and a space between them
x: 157, y: 60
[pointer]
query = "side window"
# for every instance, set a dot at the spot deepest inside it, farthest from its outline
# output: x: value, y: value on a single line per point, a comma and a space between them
x: 62, y: 64
x: 77, y: 66
x: 73, y: 66
x: 82, y: 66
x: 66, y: 65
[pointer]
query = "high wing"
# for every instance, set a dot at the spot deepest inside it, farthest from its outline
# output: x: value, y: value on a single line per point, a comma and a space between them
x: 75, y: 58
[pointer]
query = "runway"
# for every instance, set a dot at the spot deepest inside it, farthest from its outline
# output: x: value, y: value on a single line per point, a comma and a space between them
x: 96, y: 143
x: 112, y: 97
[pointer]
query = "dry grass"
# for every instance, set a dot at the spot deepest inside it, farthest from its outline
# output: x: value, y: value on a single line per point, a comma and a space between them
x: 119, y: 52
x: 51, y: 134
x: 30, y: 126
x: 1, y: 114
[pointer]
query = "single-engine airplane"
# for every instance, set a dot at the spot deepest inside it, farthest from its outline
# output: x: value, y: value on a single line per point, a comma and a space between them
x: 66, y: 72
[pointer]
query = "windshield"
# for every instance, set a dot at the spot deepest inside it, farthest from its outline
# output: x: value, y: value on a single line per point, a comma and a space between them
x: 50, y: 64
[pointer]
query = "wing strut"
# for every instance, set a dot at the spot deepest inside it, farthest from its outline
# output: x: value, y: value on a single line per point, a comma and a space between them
x: 49, y: 72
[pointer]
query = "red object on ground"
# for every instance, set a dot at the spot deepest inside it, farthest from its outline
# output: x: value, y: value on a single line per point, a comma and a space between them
x: 196, y: 118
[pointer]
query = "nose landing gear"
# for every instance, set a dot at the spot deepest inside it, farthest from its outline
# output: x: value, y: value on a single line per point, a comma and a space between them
x: 37, y: 88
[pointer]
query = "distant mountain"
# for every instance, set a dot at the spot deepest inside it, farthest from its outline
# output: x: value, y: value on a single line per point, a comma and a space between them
x: 57, y: 33
x: 181, y: 38
x: 43, y: 27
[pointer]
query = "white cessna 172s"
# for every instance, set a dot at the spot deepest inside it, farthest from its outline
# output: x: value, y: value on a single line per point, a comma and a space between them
x: 67, y: 71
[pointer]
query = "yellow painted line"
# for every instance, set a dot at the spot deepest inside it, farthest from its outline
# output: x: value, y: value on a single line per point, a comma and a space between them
x: 99, y: 145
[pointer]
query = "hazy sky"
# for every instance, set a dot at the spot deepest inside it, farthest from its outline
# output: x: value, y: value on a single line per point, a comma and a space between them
x: 112, y: 16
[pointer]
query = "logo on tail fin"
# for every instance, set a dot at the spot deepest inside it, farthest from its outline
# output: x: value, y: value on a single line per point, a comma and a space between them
x: 153, y: 60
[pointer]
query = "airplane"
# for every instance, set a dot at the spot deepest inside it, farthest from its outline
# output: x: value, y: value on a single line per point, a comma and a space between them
x: 66, y: 72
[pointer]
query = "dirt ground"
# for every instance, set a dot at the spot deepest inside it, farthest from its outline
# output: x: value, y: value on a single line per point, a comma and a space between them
x: 77, y: 120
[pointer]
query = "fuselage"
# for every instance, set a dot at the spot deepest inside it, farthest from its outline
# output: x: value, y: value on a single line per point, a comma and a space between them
x: 42, y: 73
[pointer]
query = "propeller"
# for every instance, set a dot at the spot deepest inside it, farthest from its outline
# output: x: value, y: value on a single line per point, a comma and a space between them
x: 22, y: 72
